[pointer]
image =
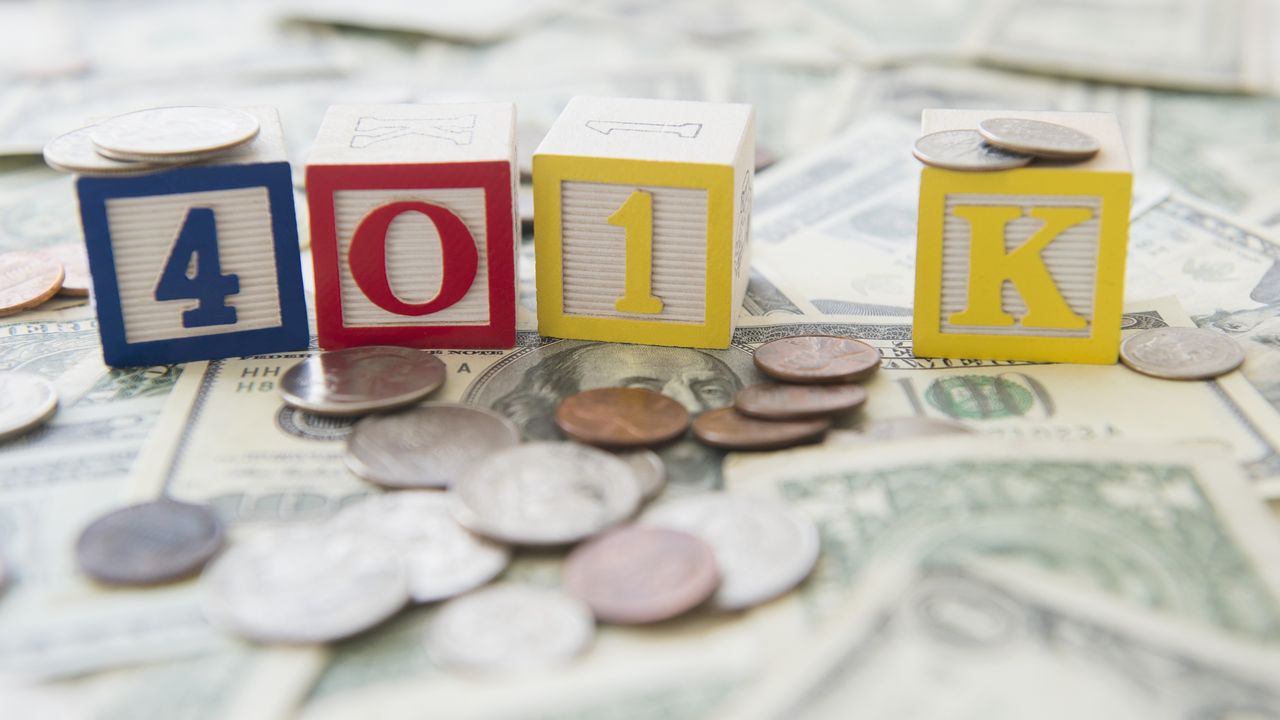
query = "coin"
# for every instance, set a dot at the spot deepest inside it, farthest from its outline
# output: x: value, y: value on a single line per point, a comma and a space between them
x: 25, y: 401
x: 636, y: 575
x: 441, y: 557
x: 309, y: 584
x: 361, y: 380
x: 510, y: 627
x: 905, y: 428
x: 427, y: 446
x: 651, y: 472
x: 1039, y: 138
x: 150, y: 543
x: 1181, y: 353
x: 621, y: 417
x: 27, y: 278
x: 763, y: 549
x: 74, y: 152
x: 729, y: 429
x: 965, y: 150
x: 173, y: 133
x: 545, y: 494
x: 778, y: 401
x: 75, y: 268
x: 817, y: 359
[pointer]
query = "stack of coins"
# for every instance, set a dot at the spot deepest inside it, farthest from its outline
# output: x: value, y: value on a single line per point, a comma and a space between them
x: 30, y: 278
x: 1004, y: 144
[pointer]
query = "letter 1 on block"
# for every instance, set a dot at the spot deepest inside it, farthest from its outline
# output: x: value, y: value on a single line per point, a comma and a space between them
x: 199, y: 261
x: 413, y: 225
x: 642, y: 221
x: 1024, y: 264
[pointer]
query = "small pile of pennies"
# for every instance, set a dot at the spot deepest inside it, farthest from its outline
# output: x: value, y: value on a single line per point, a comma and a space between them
x: 30, y: 278
x: 1004, y: 144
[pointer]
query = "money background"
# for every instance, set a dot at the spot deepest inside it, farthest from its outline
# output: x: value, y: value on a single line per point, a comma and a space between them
x: 838, y: 86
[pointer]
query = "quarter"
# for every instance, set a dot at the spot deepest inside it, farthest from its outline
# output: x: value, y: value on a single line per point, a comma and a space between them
x: 173, y: 133
x: 508, y: 627
x: 74, y: 152
x: 26, y: 401
x: 361, y: 380
x: 965, y: 150
x: 1039, y: 138
x: 1181, y: 353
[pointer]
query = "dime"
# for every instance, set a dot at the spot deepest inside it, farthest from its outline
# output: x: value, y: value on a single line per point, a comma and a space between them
x: 621, y: 417
x: 651, y: 472
x: 150, y: 543
x: 778, y: 401
x: 440, y: 556
x: 763, y: 548
x: 310, y: 584
x: 1039, y: 138
x: 817, y: 359
x: 25, y: 401
x: 361, y: 380
x: 75, y: 268
x: 27, y: 278
x: 729, y: 429
x: 1181, y: 353
x: 545, y: 494
x: 427, y: 446
x: 965, y: 150
x: 510, y: 627
x: 904, y: 428
x: 74, y: 152
x: 173, y: 133
x: 637, y: 575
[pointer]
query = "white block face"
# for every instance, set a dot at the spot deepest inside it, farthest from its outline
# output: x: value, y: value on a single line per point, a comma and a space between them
x: 404, y: 134
x: 144, y: 231
x: 414, y: 267
x: 1071, y: 259
x: 594, y: 251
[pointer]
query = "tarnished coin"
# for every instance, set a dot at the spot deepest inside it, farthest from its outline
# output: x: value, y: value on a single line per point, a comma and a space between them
x: 965, y: 150
x: 779, y: 401
x: 173, y: 133
x: 75, y: 268
x: 817, y: 359
x: 637, y: 575
x: 905, y: 428
x: 1039, y: 138
x: 150, y: 543
x: 729, y: 429
x: 508, y: 627
x: 301, y: 585
x: 74, y: 152
x: 651, y: 472
x: 763, y: 548
x: 27, y: 278
x: 361, y: 380
x: 545, y: 494
x: 621, y: 417
x: 1181, y: 353
x: 427, y: 446
x: 442, y: 558
x: 25, y: 401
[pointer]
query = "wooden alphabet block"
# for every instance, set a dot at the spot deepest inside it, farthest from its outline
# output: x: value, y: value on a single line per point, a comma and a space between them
x: 414, y: 225
x: 642, y: 218
x: 199, y: 261
x: 1024, y: 264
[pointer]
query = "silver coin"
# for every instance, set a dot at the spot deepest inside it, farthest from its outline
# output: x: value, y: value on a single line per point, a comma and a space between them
x: 74, y: 152
x: 442, y: 558
x: 174, y: 133
x: 548, y: 493
x: 651, y: 472
x: 1039, y: 138
x: 763, y: 549
x: 149, y: 543
x: 26, y: 401
x: 427, y: 446
x: 904, y: 428
x: 309, y: 584
x: 1181, y: 353
x: 510, y: 627
x: 965, y: 150
x: 361, y: 380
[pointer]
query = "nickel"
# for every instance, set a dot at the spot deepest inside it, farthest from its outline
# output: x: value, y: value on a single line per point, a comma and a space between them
x: 25, y: 401
x: 1181, y: 353
x: 1039, y: 138
x: 817, y: 359
x: 509, y: 627
x: 965, y: 150
x: 778, y: 401
x: 361, y: 380
x: 731, y: 430
x: 173, y: 133
x: 150, y: 543
x: 27, y: 278
x: 621, y: 417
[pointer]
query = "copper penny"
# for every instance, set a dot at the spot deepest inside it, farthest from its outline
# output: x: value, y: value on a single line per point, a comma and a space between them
x: 75, y: 268
x: 777, y: 401
x: 636, y: 575
x: 621, y: 417
x: 817, y: 359
x: 27, y: 278
x: 729, y: 429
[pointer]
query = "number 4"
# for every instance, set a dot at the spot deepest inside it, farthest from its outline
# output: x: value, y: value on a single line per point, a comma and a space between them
x: 636, y: 217
x: 197, y: 249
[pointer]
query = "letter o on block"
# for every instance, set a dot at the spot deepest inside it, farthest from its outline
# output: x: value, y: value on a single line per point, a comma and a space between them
x: 368, y: 258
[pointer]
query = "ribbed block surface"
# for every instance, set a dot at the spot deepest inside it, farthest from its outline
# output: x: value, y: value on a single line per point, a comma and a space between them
x: 1071, y: 258
x: 594, y: 252
x: 143, y: 233
x: 413, y: 256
